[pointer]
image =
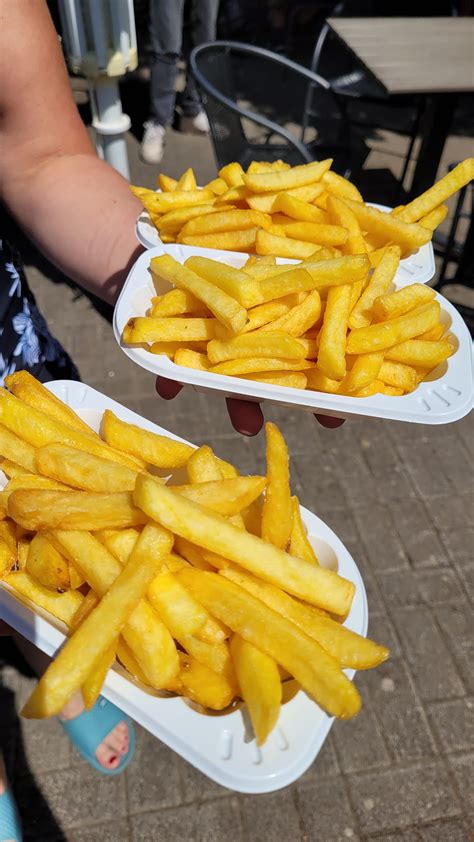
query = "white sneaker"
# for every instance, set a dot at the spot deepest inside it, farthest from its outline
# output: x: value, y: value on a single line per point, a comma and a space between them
x: 195, y: 125
x: 153, y: 143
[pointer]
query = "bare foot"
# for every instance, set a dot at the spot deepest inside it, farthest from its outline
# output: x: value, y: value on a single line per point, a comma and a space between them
x: 115, y: 744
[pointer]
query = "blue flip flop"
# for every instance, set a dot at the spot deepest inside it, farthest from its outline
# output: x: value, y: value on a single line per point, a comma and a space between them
x: 88, y: 730
x: 10, y: 827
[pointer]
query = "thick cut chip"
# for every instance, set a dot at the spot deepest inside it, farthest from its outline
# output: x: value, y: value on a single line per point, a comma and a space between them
x: 420, y: 352
x: 39, y: 429
x: 340, y: 270
x: 332, y: 339
x: 24, y: 386
x: 265, y: 201
x: 158, y: 450
x: 259, y: 682
x: 383, y: 335
x: 203, y: 465
x: 401, y: 301
x: 409, y: 236
x: 166, y: 183
x: 233, y: 220
x: 176, y: 302
x: 277, y: 513
x: 120, y: 542
x: 227, y: 240
x: 226, y: 309
x: 191, y: 359
x: 272, y: 344
x: 17, y: 450
x: 319, y: 233
x: 147, y: 329
x: 172, y: 222
x: 365, y: 369
x: 269, y: 312
x: 317, y: 671
x: 48, y: 566
x: 439, y: 192
x: 8, y: 557
x: 170, y: 349
x: 362, y: 314
x: 234, y: 368
x: 300, y: 544
x: 63, y: 606
x: 349, y: 648
x: 213, y: 532
x: 299, y: 319
x: 203, y: 685
x: 83, y: 651
x: 398, y: 375
x: 95, y: 680
x: 434, y: 217
x: 340, y: 186
x: 39, y: 509
x: 268, y: 243
x: 217, y: 185
x: 225, y: 496
x: 235, y: 282
x: 187, y: 180
x: 341, y: 214
x: 321, y: 383
x: 288, y: 179
x: 169, y: 597
x: 289, y: 379
x: 164, y: 202
x: 232, y: 174
x: 83, y: 470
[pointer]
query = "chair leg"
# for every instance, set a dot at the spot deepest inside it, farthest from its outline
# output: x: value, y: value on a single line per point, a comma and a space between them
x: 413, y: 138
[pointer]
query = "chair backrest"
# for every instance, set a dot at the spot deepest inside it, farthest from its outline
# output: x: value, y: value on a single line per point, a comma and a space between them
x: 255, y: 100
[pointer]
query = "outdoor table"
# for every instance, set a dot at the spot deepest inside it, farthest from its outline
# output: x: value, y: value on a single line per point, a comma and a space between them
x: 430, y: 56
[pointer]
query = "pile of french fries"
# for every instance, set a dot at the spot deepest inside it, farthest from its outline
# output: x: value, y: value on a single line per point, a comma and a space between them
x: 330, y: 325
x: 293, y: 212
x: 202, y: 583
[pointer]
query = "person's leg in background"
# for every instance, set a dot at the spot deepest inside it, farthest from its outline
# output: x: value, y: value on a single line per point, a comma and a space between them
x: 166, y: 32
x: 203, y: 29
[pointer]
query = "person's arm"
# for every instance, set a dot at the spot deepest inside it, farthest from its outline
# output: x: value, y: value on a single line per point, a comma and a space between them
x: 76, y: 208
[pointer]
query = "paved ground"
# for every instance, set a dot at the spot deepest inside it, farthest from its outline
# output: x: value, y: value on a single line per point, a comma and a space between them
x: 401, y: 498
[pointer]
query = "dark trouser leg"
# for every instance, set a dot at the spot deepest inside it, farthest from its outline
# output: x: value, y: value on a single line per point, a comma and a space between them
x: 166, y: 29
x: 203, y: 28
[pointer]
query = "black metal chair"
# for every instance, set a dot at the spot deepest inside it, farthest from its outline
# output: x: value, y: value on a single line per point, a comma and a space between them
x: 253, y: 97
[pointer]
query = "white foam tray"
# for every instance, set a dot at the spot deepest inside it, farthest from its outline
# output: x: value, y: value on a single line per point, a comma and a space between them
x: 419, y: 267
x: 221, y: 745
x: 446, y: 397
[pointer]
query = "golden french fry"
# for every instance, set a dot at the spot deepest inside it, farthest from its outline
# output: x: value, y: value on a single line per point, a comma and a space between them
x: 362, y: 315
x: 332, y: 339
x: 203, y: 685
x: 227, y: 240
x: 392, y: 391
x: 226, y: 309
x: 439, y: 192
x: 401, y: 301
x: 191, y: 359
x: 164, y: 202
x: 213, y: 532
x: 288, y: 179
x: 187, y: 181
x: 299, y: 319
x: 377, y: 386
x: 14, y: 448
x: 203, y: 465
x: 25, y: 387
x: 10, y: 469
x: 341, y: 214
x: 235, y: 368
x: 289, y: 379
x: 383, y: 335
x: 419, y: 352
x: 273, y: 344
x: 161, y: 451
x: 168, y: 596
x: 176, y: 302
x: 217, y: 185
x: 166, y: 183
x: 237, y: 195
x: 119, y: 542
x: 349, y: 649
x: 146, y: 329
x: 68, y: 672
x: 435, y: 217
x: 259, y: 682
x: 8, y: 557
x: 83, y: 470
x: 335, y: 272
x: 296, y: 209
x: 398, y: 375
x: 48, y: 566
x: 365, y: 369
x: 232, y: 174
x: 63, y: 606
x: 300, y: 545
x: 235, y: 282
x: 317, y: 671
x: 321, y: 383
x: 172, y: 222
x: 339, y: 186
x: 216, y: 223
x: 39, y: 429
x: 268, y: 243
x: 436, y: 332
x: 38, y: 509
x: 95, y: 680
x: 263, y: 314
x: 265, y: 201
x: 225, y: 496
x: 144, y: 633
x: 315, y: 232
x: 169, y: 349
x: 277, y: 512
x: 409, y: 236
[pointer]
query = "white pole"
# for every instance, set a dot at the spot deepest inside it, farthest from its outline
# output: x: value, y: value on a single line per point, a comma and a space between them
x: 110, y: 123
